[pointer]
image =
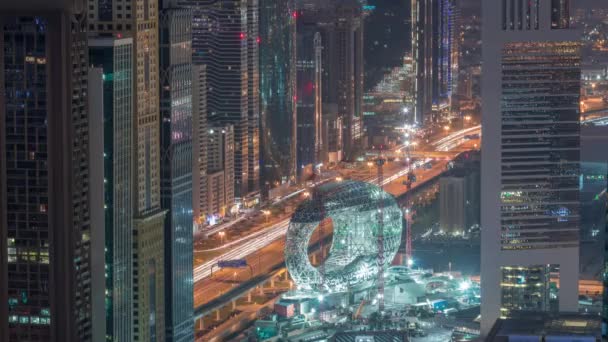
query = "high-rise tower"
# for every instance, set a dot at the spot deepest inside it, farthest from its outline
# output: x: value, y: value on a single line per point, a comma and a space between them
x: 224, y: 38
x: 114, y: 56
x: 45, y: 231
x: 309, y: 66
x: 253, y: 96
x: 277, y: 91
x: 176, y: 137
x: 139, y: 21
x: 530, y: 158
x: 340, y: 25
x: 199, y: 142
x: 435, y: 55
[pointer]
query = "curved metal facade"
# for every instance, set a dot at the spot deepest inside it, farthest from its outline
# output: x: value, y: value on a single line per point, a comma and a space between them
x: 353, y: 208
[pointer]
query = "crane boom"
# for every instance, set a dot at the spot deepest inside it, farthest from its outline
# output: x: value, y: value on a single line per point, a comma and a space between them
x: 380, y: 282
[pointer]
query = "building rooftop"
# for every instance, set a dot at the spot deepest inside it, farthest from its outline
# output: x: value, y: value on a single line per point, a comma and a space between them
x: 371, y: 336
x: 547, y: 324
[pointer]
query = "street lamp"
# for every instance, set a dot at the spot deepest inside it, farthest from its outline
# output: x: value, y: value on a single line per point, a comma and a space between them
x: 266, y: 214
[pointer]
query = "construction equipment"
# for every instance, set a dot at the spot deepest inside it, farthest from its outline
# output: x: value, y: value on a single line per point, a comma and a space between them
x: 359, y: 309
x: 380, y: 282
x: 408, y: 237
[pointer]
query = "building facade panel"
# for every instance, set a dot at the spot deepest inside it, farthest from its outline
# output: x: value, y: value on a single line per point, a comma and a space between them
x: 530, y: 101
x: 45, y: 281
x: 115, y: 58
x: 277, y: 91
x: 139, y: 20
x: 221, y: 30
x: 176, y: 170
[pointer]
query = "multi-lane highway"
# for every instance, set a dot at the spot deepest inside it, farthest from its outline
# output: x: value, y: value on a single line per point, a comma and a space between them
x: 264, y: 248
x: 245, y: 246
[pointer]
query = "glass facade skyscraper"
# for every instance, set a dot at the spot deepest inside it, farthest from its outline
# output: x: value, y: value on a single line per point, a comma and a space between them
x: 222, y: 41
x: 341, y: 26
x: 253, y: 94
x: 176, y: 170
x: 530, y: 159
x: 277, y: 41
x: 115, y: 58
x: 435, y: 55
x: 309, y: 66
x: 45, y: 231
x: 140, y: 21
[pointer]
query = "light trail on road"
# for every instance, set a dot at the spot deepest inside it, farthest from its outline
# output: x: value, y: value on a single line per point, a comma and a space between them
x: 250, y: 244
x: 449, y: 142
x: 236, y: 242
x: 219, y: 228
x: 258, y: 240
x: 249, y: 247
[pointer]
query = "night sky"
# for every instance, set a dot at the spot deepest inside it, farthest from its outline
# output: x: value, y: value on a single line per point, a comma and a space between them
x: 387, y: 38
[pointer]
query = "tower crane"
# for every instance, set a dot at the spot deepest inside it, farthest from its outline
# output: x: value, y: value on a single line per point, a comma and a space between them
x: 380, y: 282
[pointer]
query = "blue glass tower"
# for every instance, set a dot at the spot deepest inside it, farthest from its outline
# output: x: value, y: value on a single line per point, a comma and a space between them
x: 277, y: 91
x: 115, y: 58
x: 176, y: 169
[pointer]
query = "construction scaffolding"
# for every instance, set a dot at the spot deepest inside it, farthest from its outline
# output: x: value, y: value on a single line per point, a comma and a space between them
x: 353, y: 256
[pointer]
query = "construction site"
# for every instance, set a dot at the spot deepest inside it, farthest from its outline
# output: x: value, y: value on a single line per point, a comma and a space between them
x: 363, y: 281
x: 346, y: 270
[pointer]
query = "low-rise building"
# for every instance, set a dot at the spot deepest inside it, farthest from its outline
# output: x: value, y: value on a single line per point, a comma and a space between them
x: 563, y: 327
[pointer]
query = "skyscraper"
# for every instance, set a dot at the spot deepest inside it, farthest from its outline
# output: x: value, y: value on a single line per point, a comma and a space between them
x: 340, y: 24
x: 435, y: 55
x: 346, y: 61
x: 140, y: 22
x: 45, y: 231
x: 277, y: 91
x: 99, y: 299
x: 220, y: 169
x: 309, y: 65
x: 199, y: 143
x: 221, y: 32
x: 114, y: 56
x: 530, y: 159
x: 253, y: 96
x: 176, y: 169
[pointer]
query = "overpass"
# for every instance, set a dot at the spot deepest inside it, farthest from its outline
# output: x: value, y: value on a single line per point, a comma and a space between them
x: 416, y: 154
x: 590, y: 117
x: 265, y: 248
